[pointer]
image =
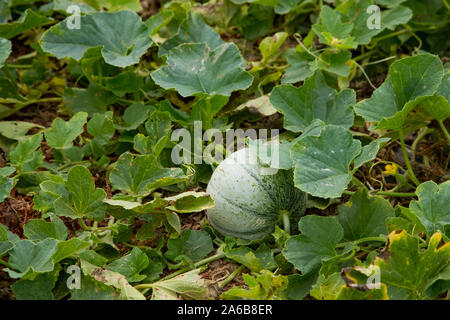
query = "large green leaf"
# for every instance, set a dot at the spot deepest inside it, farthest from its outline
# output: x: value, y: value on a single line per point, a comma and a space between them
x: 365, y: 216
x: 29, y: 20
x: 406, y: 269
x: 318, y: 241
x: 410, y: 81
x: 140, y: 175
x: 40, y: 288
x: 432, y: 208
x: 122, y: 35
x: 5, y: 50
x: 30, y: 258
x: 194, y: 69
x: 314, y: 100
x: 193, y: 30
x: 322, y: 163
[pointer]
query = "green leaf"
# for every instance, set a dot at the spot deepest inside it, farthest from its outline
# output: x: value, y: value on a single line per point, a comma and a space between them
x: 269, y: 46
x: 101, y: 127
x: 125, y: 82
x: 6, y: 184
x: 192, y: 30
x: 432, y: 208
x: 16, y: 130
x: 317, y: 243
x: 5, y: 50
x: 62, y: 133
x: 140, y: 175
x: 300, y: 67
x: 409, y: 81
x: 195, y: 244
x: 92, y: 289
x: 264, y: 286
x: 131, y: 265
x: 118, y: 281
x: 364, y: 216
x: 335, y: 62
x: 188, y: 285
x: 134, y: 116
x: 406, y: 269
x: 332, y: 27
x: 25, y: 157
x: 313, y: 100
x: 83, y: 199
x: 118, y: 5
x: 333, y: 287
x: 91, y: 100
x: 30, y: 258
x: 37, y: 229
x: 40, y: 288
x: 122, y: 36
x: 190, y: 201
x: 66, y: 249
x: 322, y: 163
x: 29, y: 20
x: 194, y: 69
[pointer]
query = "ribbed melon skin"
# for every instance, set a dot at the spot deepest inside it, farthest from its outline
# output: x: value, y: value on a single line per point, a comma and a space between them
x: 248, y: 203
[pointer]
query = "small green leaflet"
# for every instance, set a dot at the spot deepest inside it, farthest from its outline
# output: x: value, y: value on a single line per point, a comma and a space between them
x: 27, y: 156
x: 6, y: 183
x: 62, y: 133
x: 195, y: 69
x: 5, y: 50
x: 313, y: 100
x: 122, y: 35
x: 433, y: 208
x: 322, y: 163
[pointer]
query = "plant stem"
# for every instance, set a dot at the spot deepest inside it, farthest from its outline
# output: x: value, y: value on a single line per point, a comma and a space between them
x: 396, y: 194
x: 233, y: 275
x: 83, y: 224
x: 6, y: 264
x: 405, y: 156
x: 357, y: 182
x: 444, y: 129
x: 181, y: 271
x: 386, y: 193
x: 356, y: 242
x: 286, y: 221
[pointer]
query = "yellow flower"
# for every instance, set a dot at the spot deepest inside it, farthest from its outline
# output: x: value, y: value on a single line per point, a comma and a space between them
x: 390, y: 169
x: 335, y: 41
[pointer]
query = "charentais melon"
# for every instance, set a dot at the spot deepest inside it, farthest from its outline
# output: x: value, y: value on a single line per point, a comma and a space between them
x: 248, y: 203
